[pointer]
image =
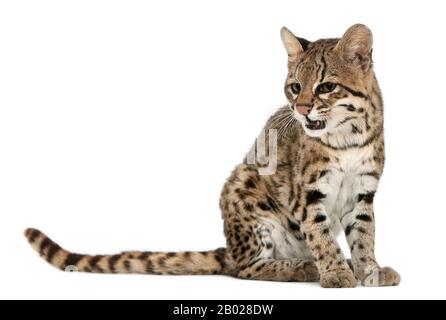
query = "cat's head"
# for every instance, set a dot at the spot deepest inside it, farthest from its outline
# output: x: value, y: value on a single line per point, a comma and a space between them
x: 329, y: 80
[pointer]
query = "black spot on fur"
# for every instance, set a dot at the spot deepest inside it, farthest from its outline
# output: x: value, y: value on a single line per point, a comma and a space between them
x: 367, y: 197
x: 249, y: 184
x: 323, y: 173
x: 264, y: 206
x: 313, y: 178
x: 314, y: 197
x: 364, y: 217
x: 366, y: 120
x: 295, y: 207
x: 320, y: 218
x: 293, y: 225
x: 373, y: 174
x: 349, y: 229
x: 304, y: 215
x: 248, y: 207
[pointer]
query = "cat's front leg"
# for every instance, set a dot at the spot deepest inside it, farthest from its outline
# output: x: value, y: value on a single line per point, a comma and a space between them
x: 359, y: 226
x: 315, y: 225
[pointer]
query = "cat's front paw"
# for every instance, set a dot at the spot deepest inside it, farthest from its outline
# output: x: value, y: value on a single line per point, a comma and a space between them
x: 342, y: 278
x: 382, y: 277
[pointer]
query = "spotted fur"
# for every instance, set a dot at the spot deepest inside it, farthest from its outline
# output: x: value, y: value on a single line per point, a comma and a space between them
x: 283, y: 226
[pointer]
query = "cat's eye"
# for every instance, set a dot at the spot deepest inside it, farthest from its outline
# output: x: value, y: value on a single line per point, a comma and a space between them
x: 296, y: 88
x: 326, y: 87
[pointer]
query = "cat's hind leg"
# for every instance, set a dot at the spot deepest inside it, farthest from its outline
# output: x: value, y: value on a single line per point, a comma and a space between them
x: 270, y: 264
x: 262, y: 243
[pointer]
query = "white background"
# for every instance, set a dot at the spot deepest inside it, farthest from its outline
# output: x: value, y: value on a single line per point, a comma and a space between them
x: 121, y: 120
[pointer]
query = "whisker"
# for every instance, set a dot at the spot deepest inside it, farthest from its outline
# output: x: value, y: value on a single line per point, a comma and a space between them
x: 291, y: 126
x: 283, y: 133
x: 280, y: 121
x: 287, y: 127
x: 283, y: 124
x: 277, y: 118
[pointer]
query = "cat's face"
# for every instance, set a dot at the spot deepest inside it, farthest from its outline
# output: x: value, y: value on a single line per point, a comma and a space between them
x: 329, y: 80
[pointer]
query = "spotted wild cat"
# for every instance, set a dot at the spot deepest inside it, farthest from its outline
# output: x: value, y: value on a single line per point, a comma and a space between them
x: 283, y: 226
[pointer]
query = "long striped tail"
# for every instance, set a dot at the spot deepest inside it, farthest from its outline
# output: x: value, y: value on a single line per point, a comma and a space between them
x: 184, y: 263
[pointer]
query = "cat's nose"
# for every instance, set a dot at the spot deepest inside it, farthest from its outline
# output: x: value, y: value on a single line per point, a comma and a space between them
x: 303, y: 109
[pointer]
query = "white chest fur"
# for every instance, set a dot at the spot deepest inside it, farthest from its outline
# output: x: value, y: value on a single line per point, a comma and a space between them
x: 349, y: 174
x: 347, y: 177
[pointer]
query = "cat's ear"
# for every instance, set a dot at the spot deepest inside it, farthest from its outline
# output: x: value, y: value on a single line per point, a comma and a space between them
x: 356, y: 46
x: 292, y: 44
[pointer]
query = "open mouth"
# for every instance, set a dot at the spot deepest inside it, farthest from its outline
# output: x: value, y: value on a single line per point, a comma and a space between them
x: 315, y: 125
